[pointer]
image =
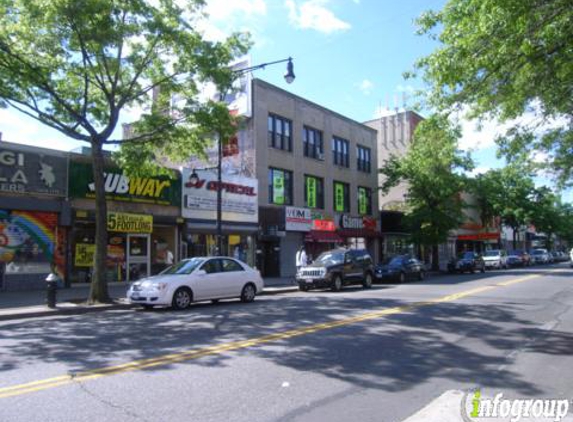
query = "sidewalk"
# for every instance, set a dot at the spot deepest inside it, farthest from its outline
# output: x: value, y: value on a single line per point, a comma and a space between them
x: 32, y: 303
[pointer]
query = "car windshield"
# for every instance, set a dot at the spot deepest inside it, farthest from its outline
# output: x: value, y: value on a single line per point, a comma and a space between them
x: 466, y: 255
x: 329, y: 258
x: 537, y: 252
x: 491, y: 253
x: 184, y: 267
x: 515, y: 253
x: 394, y: 260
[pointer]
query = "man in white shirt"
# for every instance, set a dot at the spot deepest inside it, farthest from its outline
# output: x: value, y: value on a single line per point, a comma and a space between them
x: 168, y: 258
x: 300, y: 258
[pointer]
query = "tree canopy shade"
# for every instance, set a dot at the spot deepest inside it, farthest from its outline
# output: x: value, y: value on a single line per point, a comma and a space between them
x: 76, y: 66
x: 431, y: 168
x: 504, y: 58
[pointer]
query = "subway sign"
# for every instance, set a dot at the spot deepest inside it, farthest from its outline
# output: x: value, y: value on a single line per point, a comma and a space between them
x: 159, y: 190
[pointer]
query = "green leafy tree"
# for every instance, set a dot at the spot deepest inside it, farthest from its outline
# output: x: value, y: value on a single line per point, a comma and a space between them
x: 505, y: 193
x: 431, y: 168
x: 502, y: 58
x: 76, y: 66
x: 550, y: 214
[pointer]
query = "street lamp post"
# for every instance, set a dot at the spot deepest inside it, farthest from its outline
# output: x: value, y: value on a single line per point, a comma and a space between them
x: 289, y: 78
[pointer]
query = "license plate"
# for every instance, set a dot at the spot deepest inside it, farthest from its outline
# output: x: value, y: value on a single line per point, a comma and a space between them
x: 308, y: 280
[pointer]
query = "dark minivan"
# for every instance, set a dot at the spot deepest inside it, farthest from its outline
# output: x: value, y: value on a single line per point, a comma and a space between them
x: 337, y: 268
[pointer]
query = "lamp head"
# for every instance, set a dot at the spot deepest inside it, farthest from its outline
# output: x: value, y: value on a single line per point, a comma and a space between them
x: 289, y: 75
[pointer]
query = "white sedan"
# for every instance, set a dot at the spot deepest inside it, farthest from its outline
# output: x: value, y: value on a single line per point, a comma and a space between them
x: 197, y: 279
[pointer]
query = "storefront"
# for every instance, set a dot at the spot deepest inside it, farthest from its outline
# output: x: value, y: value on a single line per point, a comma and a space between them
x: 239, y: 214
x: 143, y: 223
x: 34, y: 216
x: 359, y: 232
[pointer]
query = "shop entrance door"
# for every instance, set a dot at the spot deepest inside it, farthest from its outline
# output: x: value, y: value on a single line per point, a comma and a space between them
x: 138, y: 256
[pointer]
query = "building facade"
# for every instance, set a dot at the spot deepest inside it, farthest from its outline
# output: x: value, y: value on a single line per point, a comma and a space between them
x: 394, y: 137
x: 34, y: 215
x: 317, y: 180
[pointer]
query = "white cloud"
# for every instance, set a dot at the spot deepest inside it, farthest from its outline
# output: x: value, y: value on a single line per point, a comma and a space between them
x: 313, y: 14
x: 366, y: 86
x: 222, y: 10
x: 224, y: 17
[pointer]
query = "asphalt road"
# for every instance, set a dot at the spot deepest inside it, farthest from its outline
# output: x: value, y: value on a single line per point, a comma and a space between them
x: 359, y: 355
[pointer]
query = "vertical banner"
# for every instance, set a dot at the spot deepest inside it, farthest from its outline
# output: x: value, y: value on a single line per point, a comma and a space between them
x: 362, y: 201
x: 339, y: 197
x: 278, y: 187
x: 311, y: 192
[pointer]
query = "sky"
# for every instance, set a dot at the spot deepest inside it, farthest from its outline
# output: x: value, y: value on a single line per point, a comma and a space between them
x: 349, y: 56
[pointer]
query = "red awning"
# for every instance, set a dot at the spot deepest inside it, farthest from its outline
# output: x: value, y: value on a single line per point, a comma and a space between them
x: 322, y: 237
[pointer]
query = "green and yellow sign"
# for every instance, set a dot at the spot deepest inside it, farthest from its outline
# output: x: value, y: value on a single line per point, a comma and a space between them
x: 362, y: 201
x: 129, y: 223
x: 159, y: 190
x: 311, y: 192
x: 339, y: 197
x: 84, y: 256
x: 278, y: 187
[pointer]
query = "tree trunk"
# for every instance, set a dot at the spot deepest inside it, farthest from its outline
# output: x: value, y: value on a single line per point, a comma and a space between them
x: 98, y: 290
x: 514, y: 238
x: 435, y: 258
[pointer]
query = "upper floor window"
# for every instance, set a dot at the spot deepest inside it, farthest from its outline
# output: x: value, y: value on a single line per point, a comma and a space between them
x: 363, y: 159
x: 340, y: 149
x: 312, y: 143
x: 341, y: 197
x: 313, y: 192
x: 280, y: 132
x: 280, y: 186
x: 364, y: 200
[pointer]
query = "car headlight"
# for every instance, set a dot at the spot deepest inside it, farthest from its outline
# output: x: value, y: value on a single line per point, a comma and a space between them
x: 158, y: 286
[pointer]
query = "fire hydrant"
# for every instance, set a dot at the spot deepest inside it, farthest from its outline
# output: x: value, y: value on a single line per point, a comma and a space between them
x: 52, y: 287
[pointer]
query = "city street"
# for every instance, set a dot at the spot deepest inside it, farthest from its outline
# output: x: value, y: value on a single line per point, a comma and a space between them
x: 364, y: 355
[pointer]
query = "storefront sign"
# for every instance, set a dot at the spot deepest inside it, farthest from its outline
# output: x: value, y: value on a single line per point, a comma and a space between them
x: 323, y: 225
x: 362, y: 201
x: 84, y: 256
x: 238, y: 194
x: 479, y: 236
x: 129, y: 223
x: 118, y: 187
x: 357, y: 223
x: 298, y: 219
x: 22, y: 171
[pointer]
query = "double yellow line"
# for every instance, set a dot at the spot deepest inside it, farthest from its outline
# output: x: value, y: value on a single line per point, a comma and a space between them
x: 137, y: 365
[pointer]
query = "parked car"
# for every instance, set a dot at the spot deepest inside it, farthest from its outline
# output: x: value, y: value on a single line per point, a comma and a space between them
x: 539, y: 256
x: 337, y: 268
x: 467, y: 261
x: 495, y: 258
x: 400, y: 268
x: 524, y: 258
x: 197, y: 279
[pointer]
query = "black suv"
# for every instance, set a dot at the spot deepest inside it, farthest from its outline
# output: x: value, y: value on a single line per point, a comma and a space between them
x: 337, y: 268
x: 467, y: 261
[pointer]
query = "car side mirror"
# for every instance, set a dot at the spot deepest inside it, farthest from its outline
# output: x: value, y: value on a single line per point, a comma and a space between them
x: 201, y: 272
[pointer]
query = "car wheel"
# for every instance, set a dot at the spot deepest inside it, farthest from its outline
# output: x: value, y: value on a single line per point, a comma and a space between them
x: 336, y: 283
x: 147, y: 307
x: 214, y: 301
x: 367, y: 283
x: 182, y: 298
x: 248, y: 293
x: 402, y: 278
x: 303, y: 288
x: 421, y: 275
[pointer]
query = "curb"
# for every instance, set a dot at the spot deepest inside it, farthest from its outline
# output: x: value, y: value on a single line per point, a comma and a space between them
x: 65, y: 308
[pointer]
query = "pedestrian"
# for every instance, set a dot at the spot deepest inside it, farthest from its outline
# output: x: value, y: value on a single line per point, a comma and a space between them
x: 168, y: 258
x: 300, y: 258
